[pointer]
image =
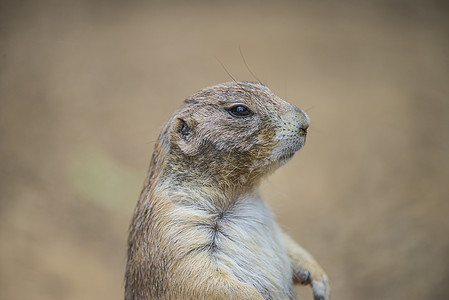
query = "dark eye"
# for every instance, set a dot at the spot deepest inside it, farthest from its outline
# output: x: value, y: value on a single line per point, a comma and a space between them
x: 240, y: 111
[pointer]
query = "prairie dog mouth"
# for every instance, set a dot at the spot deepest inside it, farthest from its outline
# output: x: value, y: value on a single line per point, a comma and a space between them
x: 291, y: 134
x: 287, y: 148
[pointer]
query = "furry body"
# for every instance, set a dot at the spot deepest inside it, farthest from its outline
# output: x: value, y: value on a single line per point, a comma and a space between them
x: 200, y: 229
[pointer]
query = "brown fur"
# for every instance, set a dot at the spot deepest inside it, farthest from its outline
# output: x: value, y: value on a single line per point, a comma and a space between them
x: 200, y: 219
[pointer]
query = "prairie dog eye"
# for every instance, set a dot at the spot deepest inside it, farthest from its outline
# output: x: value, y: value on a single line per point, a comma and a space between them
x: 240, y: 110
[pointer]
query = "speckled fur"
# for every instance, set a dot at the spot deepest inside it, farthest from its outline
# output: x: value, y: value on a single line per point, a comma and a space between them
x: 200, y: 229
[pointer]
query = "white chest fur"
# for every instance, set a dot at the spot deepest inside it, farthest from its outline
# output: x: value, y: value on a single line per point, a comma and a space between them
x: 243, y: 240
x: 248, y: 243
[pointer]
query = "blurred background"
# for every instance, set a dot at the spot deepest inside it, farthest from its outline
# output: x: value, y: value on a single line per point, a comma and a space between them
x: 86, y: 85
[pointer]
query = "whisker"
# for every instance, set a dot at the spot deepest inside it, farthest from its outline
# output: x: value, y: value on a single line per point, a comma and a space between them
x: 226, y: 70
x: 247, y: 67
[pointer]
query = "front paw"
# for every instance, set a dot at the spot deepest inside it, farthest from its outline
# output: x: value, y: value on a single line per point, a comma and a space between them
x: 317, y: 279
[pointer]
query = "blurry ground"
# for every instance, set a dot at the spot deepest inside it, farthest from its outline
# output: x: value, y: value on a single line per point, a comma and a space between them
x: 86, y: 85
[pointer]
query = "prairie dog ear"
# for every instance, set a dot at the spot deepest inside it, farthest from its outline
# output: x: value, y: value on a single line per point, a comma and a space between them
x: 184, y: 136
x: 184, y: 130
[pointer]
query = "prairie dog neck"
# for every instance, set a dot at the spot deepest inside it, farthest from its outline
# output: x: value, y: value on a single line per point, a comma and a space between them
x: 205, y: 198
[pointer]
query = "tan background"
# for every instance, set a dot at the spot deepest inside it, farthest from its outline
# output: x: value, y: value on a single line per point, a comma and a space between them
x: 86, y: 85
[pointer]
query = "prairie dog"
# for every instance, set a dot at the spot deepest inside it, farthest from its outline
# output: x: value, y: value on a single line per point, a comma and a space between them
x: 200, y: 229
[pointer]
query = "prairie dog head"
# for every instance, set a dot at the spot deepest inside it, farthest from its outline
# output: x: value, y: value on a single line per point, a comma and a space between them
x: 231, y: 133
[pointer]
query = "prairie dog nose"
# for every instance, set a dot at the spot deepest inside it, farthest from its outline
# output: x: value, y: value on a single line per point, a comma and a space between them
x: 303, y: 129
x: 303, y: 118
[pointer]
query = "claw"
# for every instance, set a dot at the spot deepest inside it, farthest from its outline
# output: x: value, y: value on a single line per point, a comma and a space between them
x: 303, y: 276
x: 320, y: 289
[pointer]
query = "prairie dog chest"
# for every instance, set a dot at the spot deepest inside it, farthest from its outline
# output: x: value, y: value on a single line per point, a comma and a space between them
x: 244, y: 240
